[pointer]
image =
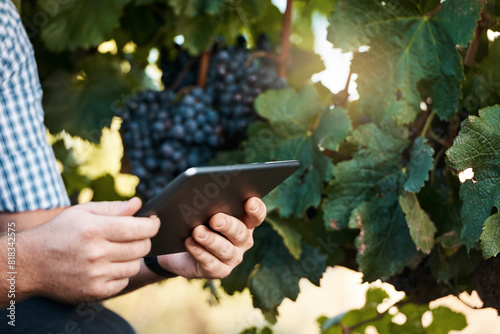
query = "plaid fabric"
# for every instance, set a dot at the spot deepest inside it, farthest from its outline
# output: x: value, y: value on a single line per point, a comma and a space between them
x: 29, y: 179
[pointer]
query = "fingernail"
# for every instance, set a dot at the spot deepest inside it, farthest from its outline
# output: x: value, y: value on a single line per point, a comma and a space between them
x: 253, y: 207
x: 202, y: 235
x: 125, y: 203
x: 220, y: 221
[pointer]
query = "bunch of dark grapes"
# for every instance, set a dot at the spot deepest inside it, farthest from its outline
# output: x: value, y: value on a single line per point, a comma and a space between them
x: 163, y: 136
x: 234, y: 82
x: 418, y: 284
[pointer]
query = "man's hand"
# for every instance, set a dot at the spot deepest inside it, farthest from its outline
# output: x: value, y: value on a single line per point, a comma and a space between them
x: 212, y: 255
x: 88, y: 251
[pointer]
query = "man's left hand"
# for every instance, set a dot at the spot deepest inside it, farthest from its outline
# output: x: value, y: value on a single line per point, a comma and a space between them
x: 213, y: 255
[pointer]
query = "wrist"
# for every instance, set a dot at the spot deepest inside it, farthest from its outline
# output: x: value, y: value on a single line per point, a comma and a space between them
x: 28, y: 282
x: 156, y: 268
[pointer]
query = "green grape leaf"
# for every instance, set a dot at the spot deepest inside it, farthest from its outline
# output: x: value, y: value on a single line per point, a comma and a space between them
x: 305, y: 63
x: 272, y: 273
x: 374, y: 296
x: 490, y: 238
x: 334, y: 126
x: 303, y: 189
x: 421, y: 227
x: 445, y: 320
x: 477, y: 146
x: 289, y: 110
x: 374, y: 169
x: 291, y: 237
x: 74, y: 181
x: 77, y: 23
x: 422, y: 47
x: 421, y: 163
x: 83, y: 104
x: 288, y: 135
x: 194, y: 8
x: 385, y: 245
x: 105, y: 190
x: 197, y: 31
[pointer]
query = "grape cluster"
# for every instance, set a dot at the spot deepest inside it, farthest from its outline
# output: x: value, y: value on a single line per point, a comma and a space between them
x: 166, y: 132
x: 163, y: 136
x: 234, y: 82
x: 418, y: 284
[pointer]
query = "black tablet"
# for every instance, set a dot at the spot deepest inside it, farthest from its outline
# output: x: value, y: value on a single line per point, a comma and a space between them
x: 200, y: 192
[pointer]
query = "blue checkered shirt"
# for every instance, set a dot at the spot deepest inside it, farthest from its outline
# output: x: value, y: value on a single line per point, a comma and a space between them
x: 29, y: 179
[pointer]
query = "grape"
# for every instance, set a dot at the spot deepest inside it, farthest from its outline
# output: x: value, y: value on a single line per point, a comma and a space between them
x: 163, y: 136
x: 234, y: 81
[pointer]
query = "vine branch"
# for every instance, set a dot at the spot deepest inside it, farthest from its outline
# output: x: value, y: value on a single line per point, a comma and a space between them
x: 474, y: 45
x: 182, y: 73
x: 285, y: 39
x: 203, y: 69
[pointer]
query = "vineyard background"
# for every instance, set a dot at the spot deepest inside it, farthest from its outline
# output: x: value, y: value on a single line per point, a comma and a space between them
x: 400, y: 167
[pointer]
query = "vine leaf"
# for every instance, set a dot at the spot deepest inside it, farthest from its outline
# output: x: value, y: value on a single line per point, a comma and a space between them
x: 193, y: 8
x: 421, y: 227
x: 334, y: 126
x: 385, y: 246
x: 272, y: 273
x: 421, y: 163
x: 76, y: 23
x: 374, y: 169
x: 445, y: 320
x: 288, y: 134
x: 491, y: 236
x: 422, y: 48
x: 84, y: 104
x: 291, y: 237
x: 478, y: 147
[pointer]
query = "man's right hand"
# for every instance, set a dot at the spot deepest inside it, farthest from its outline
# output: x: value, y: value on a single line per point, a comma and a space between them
x: 87, y: 252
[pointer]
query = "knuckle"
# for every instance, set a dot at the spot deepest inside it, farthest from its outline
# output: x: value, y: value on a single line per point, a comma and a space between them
x: 93, y: 254
x: 241, y: 236
x: 250, y: 242
x: 226, y: 251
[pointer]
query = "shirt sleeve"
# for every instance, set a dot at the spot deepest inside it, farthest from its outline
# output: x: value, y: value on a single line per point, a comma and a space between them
x: 29, y: 179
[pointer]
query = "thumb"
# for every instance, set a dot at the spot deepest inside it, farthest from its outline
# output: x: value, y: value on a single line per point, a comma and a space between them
x: 115, y: 208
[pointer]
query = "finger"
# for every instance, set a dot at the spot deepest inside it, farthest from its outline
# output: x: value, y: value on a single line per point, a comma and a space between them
x: 255, y: 212
x: 233, y: 229
x: 116, y: 286
x: 123, y: 229
x: 115, y: 208
x: 128, y: 251
x: 219, y: 246
x: 207, y: 265
x: 121, y: 270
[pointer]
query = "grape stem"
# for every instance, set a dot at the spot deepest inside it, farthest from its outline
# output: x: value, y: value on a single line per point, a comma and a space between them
x: 428, y: 123
x: 182, y: 73
x: 203, y: 70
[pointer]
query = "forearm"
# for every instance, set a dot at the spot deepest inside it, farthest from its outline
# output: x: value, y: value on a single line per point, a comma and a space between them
x: 27, y: 219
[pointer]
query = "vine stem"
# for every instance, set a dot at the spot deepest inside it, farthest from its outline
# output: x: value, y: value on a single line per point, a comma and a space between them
x: 285, y: 39
x: 203, y: 70
x: 182, y: 74
x: 428, y: 123
x: 474, y: 45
